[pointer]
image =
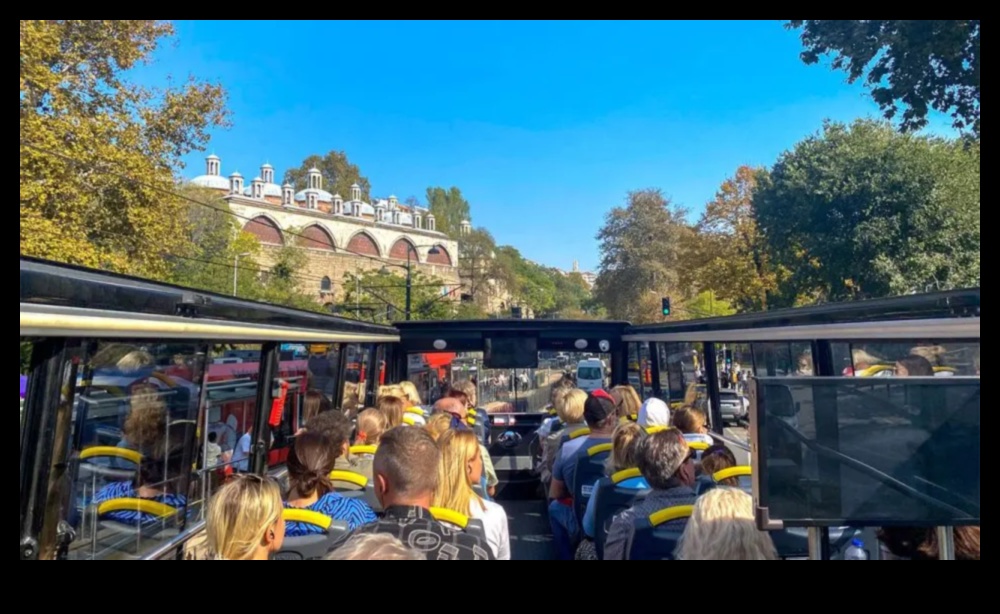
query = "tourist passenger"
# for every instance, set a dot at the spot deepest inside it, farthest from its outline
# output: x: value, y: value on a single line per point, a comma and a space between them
x: 667, y: 463
x: 599, y: 412
x: 914, y: 366
x: 569, y: 408
x: 394, y: 408
x: 244, y: 521
x: 310, y: 462
x: 693, y: 424
x: 723, y: 528
x: 627, y: 402
x: 922, y: 544
x: 719, y: 458
x: 654, y: 412
x: 626, y: 441
x: 461, y: 467
x: 337, y: 428
x: 406, y: 479
x: 459, y: 412
x: 375, y: 547
x: 157, y: 480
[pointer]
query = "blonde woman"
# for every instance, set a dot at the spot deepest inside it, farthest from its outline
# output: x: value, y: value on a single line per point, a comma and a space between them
x: 627, y: 401
x: 409, y: 391
x: 438, y: 425
x: 461, y: 466
x: 723, y: 528
x: 371, y: 425
x: 245, y: 520
x: 570, y: 412
x: 393, y: 408
x: 624, y: 455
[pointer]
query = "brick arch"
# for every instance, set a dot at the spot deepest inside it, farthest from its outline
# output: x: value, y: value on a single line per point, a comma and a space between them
x: 442, y: 257
x: 363, y: 243
x: 400, y: 249
x: 266, y: 230
x: 316, y: 237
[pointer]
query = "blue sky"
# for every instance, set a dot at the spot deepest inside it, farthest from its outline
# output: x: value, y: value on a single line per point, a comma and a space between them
x: 543, y: 125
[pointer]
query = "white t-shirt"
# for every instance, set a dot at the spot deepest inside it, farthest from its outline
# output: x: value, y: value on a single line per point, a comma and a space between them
x: 497, y: 530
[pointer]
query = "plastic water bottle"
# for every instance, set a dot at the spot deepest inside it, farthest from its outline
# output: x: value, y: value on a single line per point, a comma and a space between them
x: 856, y: 551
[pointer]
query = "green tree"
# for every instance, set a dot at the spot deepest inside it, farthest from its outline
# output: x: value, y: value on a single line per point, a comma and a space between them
x: 727, y: 253
x: 707, y: 305
x: 484, y: 276
x: 641, y: 251
x: 571, y: 294
x: 450, y: 209
x: 376, y: 295
x: 282, y: 282
x: 98, y: 152
x: 862, y: 211
x: 529, y: 285
x: 338, y: 175
x: 913, y: 64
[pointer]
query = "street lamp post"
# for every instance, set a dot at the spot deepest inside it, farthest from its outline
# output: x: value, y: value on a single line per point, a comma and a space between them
x: 409, y: 275
x: 236, y: 270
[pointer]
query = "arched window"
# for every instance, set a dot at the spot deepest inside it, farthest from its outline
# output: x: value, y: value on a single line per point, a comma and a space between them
x: 316, y: 237
x: 362, y: 243
x: 441, y: 257
x: 266, y: 231
x: 326, y: 286
x: 400, y: 249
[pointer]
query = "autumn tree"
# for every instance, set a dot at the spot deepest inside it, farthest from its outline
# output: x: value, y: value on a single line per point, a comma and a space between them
x: 450, y: 209
x: 380, y: 296
x: 483, y: 275
x: 727, y: 254
x: 911, y: 64
x: 338, y: 173
x: 641, y: 252
x: 98, y: 153
x: 862, y: 211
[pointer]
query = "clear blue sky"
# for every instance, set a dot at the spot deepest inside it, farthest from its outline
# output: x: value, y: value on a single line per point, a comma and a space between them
x: 544, y: 126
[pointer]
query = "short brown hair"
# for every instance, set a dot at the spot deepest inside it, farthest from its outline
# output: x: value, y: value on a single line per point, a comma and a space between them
x: 393, y: 408
x: 408, y: 459
x: 690, y: 420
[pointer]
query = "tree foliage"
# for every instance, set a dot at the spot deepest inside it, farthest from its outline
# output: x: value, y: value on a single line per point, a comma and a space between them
x: 338, y: 173
x: 450, y: 209
x: 641, y: 251
x: 98, y: 153
x: 707, y: 305
x: 727, y: 252
x: 483, y: 274
x: 909, y: 64
x: 380, y: 296
x: 862, y: 211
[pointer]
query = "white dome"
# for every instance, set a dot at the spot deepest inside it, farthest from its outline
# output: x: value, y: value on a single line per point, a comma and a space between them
x: 272, y: 189
x: 214, y: 182
x: 366, y: 209
x: 321, y: 195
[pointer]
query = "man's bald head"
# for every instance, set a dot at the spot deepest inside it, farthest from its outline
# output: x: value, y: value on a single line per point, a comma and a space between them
x: 449, y: 405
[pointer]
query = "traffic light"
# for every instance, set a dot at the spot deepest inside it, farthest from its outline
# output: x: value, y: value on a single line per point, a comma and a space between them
x: 666, y: 307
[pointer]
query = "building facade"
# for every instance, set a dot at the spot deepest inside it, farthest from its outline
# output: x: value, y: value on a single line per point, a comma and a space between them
x: 341, y: 234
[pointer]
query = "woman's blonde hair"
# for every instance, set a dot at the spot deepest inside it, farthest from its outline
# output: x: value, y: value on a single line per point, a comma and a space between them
x: 393, y: 408
x: 375, y: 547
x: 625, y: 447
x: 630, y: 401
x: 409, y: 390
x: 372, y: 423
x: 146, y: 424
x: 454, y: 491
x: 391, y: 390
x: 469, y: 390
x: 723, y: 528
x: 239, y: 516
x: 571, y: 409
x: 438, y: 425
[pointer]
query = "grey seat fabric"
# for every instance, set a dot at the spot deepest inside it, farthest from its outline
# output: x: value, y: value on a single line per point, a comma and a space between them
x: 313, y: 547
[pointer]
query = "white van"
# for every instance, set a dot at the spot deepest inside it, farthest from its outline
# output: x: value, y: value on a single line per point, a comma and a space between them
x: 590, y: 375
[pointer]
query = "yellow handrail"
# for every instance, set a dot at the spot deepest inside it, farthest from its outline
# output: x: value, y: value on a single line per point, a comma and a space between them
x: 627, y: 474
x: 355, y: 450
x: 670, y: 514
x: 699, y: 446
x: 733, y: 472
x: 652, y: 430
x: 416, y: 411
x: 350, y: 477
x: 307, y: 517
x: 599, y: 449
x: 579, y: 433
x: 143, y: 506
x: 113, y: 452
x: 442, y: 515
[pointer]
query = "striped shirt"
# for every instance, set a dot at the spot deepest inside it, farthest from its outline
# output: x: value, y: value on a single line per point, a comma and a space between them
x: 354, y: 512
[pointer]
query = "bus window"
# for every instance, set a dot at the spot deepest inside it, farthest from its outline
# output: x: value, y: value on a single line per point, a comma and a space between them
x: 25, y: 366
x: 915, y: 358
x: 357, y: 358
x: 130, y: 484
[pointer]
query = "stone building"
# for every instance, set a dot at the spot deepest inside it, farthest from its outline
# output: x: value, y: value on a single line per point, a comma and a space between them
x: 341, y: 233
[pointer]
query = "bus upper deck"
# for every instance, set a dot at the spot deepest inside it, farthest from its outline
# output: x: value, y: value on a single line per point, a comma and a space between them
x: 106, y: 350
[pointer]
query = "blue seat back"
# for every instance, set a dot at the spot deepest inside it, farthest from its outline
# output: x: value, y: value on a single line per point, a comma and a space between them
x: 657, y: 537
x: 611, y: 500
x: 590, y: 467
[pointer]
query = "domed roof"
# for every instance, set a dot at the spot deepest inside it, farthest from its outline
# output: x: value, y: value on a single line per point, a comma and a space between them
x: 266, y: 165
x: 270, y: 189
x: 314, y: 170
x: 236, y: 174
x: 214, y: 182
x: 321, y: 195
x: 213, y: 157
x: 366, y: 209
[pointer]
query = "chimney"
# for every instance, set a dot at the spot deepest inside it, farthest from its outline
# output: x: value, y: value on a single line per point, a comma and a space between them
x: 356, y: 193
x: 287, y: 194
x: 212, y: 165
x: 338, y: 205
x: 466, y: 227
x: 267, y: 172
x: 236, y: 184
x: 257, y: 188
x: 315, y: 179
x: 431, y: 223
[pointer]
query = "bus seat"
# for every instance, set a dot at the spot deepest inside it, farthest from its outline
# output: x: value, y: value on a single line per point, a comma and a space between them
x: 656, y: 537
x: 416, y: 411
x: 128, y: 538
x: 612, y: 499
x: 111, y: 452
x: 745, y: 474
x: 409, y: 420
x: 472, y: 526
x: 311, y: 547
x: 652, y: 430
x: 589, y: 469
x: 584, y: 432
x: 364, y: 489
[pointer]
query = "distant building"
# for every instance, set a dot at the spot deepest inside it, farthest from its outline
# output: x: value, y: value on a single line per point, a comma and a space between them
x: 587, y: 276
x: 342, y: 234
